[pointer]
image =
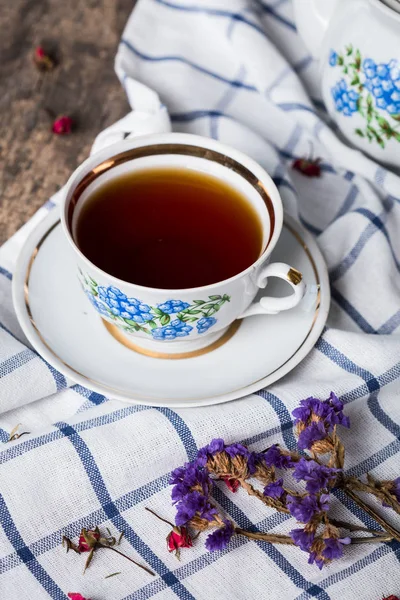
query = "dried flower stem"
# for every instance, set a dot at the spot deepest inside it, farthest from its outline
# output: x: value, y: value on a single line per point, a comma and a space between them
x: 265, y: 537
x: 350, y: 527
x: 370, y: 488
x: 125, y: 556
x: 382, y: 522
x: 158, y: 517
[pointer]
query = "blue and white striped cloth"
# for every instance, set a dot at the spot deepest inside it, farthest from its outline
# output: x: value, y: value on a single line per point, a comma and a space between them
x: 237, y: 71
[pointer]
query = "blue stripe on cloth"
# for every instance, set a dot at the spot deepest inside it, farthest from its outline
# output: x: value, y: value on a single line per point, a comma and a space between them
x: 391, y: 324
x: 59, y: 379
x: 189, y: 63
x: 15, y: 538
x: 244, y: 522
x: 381, y: 416
x: 4, y: 436
x: 375, y: 460
x: 270, y: 10
x: 15, y: 362
x: 6, y: 273
x: 182, y: 430
x: 112, y: 512
x: 289, y: 106
x: 376, y: 219
x: 215, y: 12
x: 193, y: 115
x: 348, y: 365
x: 348, y: 201
x: 283, y: 415
x: 376, y: 224
x: 352, y: 311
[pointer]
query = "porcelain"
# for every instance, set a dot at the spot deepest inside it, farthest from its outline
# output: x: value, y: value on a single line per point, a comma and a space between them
x: 189, y: 318
x: 254, y: 352
x: 357, y: 42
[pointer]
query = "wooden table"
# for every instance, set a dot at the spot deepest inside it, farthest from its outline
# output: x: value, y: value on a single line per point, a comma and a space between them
x: 35, y: 163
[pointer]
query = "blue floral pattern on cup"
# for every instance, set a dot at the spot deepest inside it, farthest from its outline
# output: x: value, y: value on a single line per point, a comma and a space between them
x: 167, y: 320
x: 371, y: 89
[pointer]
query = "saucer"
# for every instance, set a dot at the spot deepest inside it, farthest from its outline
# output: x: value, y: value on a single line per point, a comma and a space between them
x: 59, y: 322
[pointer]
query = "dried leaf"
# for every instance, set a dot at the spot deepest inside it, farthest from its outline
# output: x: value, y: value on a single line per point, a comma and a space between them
x: 89, y: 560
x: 120, y: 537
x: 112, y: 575
x: 70, y: 545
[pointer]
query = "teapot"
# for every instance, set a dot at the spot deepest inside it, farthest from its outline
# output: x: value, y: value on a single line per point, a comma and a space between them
x: 358, y: 45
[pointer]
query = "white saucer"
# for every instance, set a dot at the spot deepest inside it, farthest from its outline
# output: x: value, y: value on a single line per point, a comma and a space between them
x: 58, y: 321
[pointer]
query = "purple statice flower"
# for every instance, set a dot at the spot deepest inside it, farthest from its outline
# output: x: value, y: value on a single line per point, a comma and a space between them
x: 313, y: 558
x: 303, y: 509
x: 336, y: 415
x: 254, y: 458
x: 334, y: 547
x: 216, y: 445
x: 237, y: 450
x: 317, y: 476
x: 274, y: 489
x: 187, y: 477
x: 395, y: 489
x: 193, y: 503
x: 273, y: 457
x: 329, y: 411
x: 324, y: 502
x: 311, y: 434
x: 220, y: 538
x: 303, y: 539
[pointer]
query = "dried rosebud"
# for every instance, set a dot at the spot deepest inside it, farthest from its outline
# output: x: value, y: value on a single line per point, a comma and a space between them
x: 76, y: 596
x: 42, y: 60
x: 233, y: 484
x: 62, y: 125
x: 391, y: 598
x: 178, y: 538
x: 88, y: 539
x: 308, y: 167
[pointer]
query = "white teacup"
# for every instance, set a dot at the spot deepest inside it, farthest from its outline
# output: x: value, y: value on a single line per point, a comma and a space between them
x: 187, y: 319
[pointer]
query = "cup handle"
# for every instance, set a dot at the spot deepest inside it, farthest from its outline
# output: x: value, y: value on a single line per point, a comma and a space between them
x: 270, y: 305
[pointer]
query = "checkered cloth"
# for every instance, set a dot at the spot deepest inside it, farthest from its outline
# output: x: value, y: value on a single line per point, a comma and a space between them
x: 234, y: 70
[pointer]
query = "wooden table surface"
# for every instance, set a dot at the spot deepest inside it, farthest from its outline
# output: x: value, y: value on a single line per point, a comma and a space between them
x: 84, y: 34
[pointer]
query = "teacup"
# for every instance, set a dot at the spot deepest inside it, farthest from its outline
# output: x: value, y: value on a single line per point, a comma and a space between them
x: 186, y: 319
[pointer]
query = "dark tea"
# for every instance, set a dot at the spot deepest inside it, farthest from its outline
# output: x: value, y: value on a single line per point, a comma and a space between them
x: 169, y: 228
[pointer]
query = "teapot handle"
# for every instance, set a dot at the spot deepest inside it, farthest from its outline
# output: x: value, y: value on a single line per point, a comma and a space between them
x: 312, y: 20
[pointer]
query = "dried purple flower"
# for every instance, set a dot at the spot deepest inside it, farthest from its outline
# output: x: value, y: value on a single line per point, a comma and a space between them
x: 334, y: 547
x: 302, y: 538
x: 188, y: 477
x: 237, y: 450
x: 193, y: 503
x: 274, y: 457
x: 303, y: 509
x: 220, y: 538
x: 274, y: 489
x: 313, y: 433
x: 315, y: 558
x: 317, y: 476
x: 329, y: 412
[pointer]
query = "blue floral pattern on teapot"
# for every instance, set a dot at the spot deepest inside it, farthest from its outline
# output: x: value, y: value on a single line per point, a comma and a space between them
x: 370, y: 89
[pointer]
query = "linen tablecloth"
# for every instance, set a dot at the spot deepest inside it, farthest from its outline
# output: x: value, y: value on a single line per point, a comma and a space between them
x: 234, y: 70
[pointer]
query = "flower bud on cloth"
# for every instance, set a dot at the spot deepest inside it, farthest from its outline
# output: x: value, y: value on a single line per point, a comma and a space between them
x: 236, y: 71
